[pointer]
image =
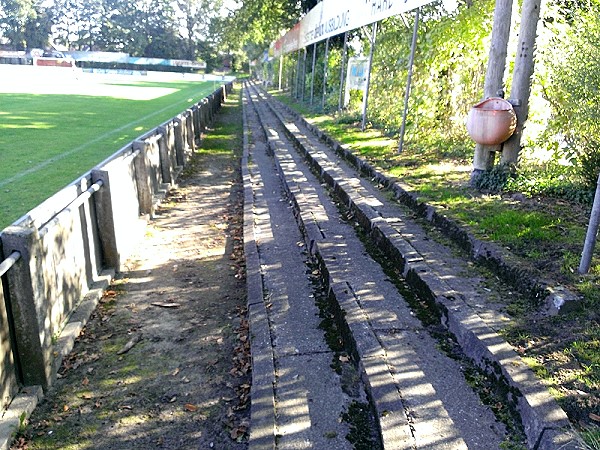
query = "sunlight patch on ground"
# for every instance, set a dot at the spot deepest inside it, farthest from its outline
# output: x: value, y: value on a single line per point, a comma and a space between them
x: 447, y: 167
x: 31, y: 125
x: 67, y: 81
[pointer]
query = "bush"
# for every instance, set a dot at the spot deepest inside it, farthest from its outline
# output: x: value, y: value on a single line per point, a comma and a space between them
x: 589, y: 165
x: 572, y: 90
x: 493, y: 180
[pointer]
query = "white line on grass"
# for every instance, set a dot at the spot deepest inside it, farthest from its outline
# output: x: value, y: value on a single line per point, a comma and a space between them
x: 56, y: 158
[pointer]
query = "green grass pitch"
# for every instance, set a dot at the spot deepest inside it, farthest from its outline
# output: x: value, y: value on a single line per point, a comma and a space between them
x: 57, y: 124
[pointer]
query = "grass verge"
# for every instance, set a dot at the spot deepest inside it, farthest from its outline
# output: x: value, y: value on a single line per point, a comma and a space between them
x: 49, y: 140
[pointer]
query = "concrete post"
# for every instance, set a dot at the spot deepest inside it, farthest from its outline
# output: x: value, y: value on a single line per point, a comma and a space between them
x: 368, y: 84
x: 207, y: 113
x: 211, y: 108
x: 343, y: 72
x: 592, y: 233
x: 191, y: 143
x: 165, y: 161
x: 213, y: 103
x: 196, y: 120
x: 280, y: 72
x: 29, y: 305
x: 201, y: 117
x: 9, y: 386
x: 325, y: 67
x: 142, y: 177
x: 106, y: 221
x: 170, y: 143
x: 178, y: 130
x: 297, y: 78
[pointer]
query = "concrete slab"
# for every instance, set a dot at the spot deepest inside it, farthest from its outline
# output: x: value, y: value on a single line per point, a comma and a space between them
x: 309, y: 404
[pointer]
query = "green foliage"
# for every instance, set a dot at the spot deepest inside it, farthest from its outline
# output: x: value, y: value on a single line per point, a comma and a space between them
x: 448, y: 77
x: 255, y: 25
x: 493, y: 180
x: 360, y: 419
x: 550, y: 179
x: 591, y: 438
x: 16, y: 17
x: 155, y: 28
x: 589, y: 163
x: 573, y: 89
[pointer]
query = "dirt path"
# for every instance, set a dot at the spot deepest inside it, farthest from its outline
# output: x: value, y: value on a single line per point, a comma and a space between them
x: 163, y: 363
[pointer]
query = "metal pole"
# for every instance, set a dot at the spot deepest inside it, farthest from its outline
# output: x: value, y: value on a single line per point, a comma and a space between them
x: 297, y: 82
x: 303, y: 76
x: 592, y: 233
x: 312, y: 73
x: 413, y: 48
x: 280, y: 70
x: 289, y: 76
x: 342, y: 77
x: 366, y: 93
x: 325, y: 66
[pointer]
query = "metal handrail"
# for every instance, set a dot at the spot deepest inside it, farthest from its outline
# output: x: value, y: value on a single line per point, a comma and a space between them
x: 9, y: 262
x: 81, y: 198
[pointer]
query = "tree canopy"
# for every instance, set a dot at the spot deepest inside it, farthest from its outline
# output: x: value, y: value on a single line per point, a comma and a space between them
x: 152, y: 28
x: 450, y: 64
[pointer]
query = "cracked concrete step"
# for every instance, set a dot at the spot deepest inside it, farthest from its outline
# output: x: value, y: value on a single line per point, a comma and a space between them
x: 301, y: 399
x: 545, y: 423
x: 420, y: 394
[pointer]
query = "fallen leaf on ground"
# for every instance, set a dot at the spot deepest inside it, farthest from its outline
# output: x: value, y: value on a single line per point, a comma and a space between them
x: 189, y: 407
x: 595, y: 417
x: 134, y: 340
x: 166, y: 304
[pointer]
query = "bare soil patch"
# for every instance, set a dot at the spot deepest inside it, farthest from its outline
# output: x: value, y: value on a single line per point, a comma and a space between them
x: 164, y: 362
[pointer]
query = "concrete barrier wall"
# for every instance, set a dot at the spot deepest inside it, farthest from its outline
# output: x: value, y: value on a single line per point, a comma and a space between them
x: 65, y: 251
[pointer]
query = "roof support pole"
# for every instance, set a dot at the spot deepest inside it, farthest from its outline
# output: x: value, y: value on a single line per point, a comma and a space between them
x: 312, y: 74
x: 366, y: 93
x: 297, y: 80
x: 303, y: 76
x: 411, y: 61
x: 280, y: 70
x: 342, y: 72
x: 325, y: 66
x: 592, y: 233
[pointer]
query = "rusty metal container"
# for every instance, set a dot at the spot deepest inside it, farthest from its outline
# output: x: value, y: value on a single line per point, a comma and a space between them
x: 491, y: 121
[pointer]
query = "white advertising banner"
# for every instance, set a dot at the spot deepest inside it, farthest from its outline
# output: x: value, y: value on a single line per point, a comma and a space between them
x: 332, y: 17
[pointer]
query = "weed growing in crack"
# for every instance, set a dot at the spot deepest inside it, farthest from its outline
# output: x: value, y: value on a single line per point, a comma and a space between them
x: 363, y: 432
x: 360, y: 419
x: 492, y: 391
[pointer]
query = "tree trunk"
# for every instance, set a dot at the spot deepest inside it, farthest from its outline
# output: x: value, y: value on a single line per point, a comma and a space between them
x: 521, y: 85
x: 494, y: 78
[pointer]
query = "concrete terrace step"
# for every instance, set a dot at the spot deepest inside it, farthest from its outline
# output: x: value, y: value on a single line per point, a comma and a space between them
x: 419, y: 394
